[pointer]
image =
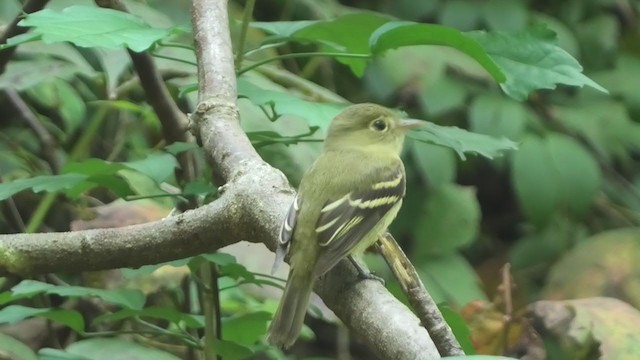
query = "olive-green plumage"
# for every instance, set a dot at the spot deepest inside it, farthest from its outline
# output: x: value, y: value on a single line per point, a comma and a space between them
x: 346, y: 200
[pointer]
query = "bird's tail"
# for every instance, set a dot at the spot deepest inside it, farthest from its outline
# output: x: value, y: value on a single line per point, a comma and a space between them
x: 289, y: 317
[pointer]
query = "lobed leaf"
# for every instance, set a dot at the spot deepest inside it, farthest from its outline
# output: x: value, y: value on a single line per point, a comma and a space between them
x: 88, y: 26
x: 462, y: 141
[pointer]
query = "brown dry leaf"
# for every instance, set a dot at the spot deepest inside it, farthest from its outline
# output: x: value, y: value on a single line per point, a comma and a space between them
x: 607, y: 264
x: 487, y: 327
x: 595, y: 328
x: 121, y: 213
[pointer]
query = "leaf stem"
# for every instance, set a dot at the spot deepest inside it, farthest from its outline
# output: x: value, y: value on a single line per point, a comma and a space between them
x: 246, y: 19
x: 303, y: 55
x: 210, y: 308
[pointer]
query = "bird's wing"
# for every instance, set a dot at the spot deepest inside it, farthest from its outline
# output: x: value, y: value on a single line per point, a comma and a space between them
x: 286, y: 233
x: 347, y: 220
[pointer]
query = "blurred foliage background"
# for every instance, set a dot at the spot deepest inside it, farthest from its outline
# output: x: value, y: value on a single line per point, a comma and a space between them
x: 562, y: 210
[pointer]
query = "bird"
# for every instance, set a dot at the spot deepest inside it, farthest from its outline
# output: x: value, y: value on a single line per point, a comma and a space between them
x: 345, y: 202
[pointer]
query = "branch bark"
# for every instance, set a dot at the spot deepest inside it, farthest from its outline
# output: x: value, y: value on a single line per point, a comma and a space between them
x: 253, y: 203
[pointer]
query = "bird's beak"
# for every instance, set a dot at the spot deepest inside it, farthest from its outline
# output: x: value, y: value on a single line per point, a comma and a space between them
x: 408, y: 124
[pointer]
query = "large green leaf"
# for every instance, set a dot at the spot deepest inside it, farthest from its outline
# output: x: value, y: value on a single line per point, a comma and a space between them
x: 347, y: 34
x: 48, y: 183
x: 396, y: 34
x: 13, y: 349
x: 531, y: 60
x: 14, y: 313
x: 127, y: 298
x: 246, y: 329
x: 315, y: 113
x: 116, y: 349
x: 450, y: 278
x: 450, y: 219
x: 554, y: 173
x: 579, y: 174
x: 462, y: 141
x: 436, y: 164
x: 535, y: 180
x: 497, y: 116
x: 88, y: 26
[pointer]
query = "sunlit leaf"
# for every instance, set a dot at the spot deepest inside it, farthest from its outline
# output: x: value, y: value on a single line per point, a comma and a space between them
x: 405, y: 33
x: 48, y: 183
x: 88, y: 26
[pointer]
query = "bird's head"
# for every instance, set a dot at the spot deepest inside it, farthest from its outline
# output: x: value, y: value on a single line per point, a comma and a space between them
x: 368, y: 126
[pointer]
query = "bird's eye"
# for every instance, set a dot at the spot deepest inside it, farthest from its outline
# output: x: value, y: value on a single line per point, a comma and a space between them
x: 378, y: 125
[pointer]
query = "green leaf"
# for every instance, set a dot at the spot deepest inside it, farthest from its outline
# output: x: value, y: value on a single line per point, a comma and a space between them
x: 13, y: 349
x: 48, y: 183
x: 535, y: 180
x: 496, y: 116
x: 128, y: 298
x: 606, y: 125
x: 88, y: 26
x: 230, y: 350
x: 348, y: 33
x: 459, y: 328
x: 579, y: 174
x: 395, y: 34
x: 57, y: 354
x: 531, y: 61
x: 436, y: 164
x: 116, y: 349
x: 450, y: 219
x: 450, y: 278
x: 170, y: 314
x: 246, y: 329
x: 180, y: 147
x: 316, y: 114
x: 505, y: 15
x: 14, y: 313
x: 156, y: 166
x: 462, y: 141
x: 199, y: 187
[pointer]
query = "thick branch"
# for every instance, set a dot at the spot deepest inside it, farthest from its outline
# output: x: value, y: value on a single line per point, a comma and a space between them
x: 245, y: 212
x: 373, y: 314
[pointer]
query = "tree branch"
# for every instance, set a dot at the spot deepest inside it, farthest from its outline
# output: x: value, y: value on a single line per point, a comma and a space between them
x: 253, y: 203
x: 373, y: 314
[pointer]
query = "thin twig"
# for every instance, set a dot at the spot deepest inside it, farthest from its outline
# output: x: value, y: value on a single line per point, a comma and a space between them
x: 303, y: 55
x: 48, y: 145
x: 505, y: 289
x: 421, y: 302
x: 12, y: 214
x: 309, y: 88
